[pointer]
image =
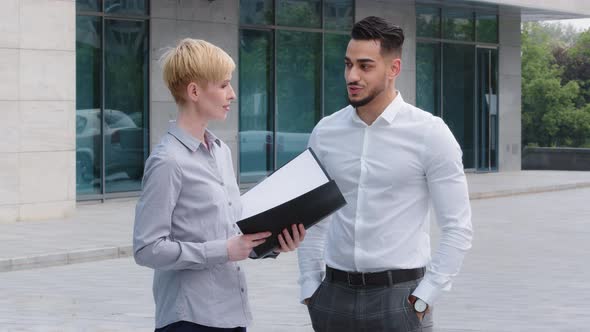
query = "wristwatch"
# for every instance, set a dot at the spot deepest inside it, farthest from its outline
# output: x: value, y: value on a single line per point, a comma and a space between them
x: 420, y: 306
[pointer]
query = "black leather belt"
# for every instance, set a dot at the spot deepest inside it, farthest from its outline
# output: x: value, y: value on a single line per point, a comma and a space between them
x: 383, y: 278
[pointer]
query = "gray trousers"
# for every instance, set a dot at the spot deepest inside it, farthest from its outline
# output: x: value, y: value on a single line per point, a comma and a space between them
x: 340, y: 307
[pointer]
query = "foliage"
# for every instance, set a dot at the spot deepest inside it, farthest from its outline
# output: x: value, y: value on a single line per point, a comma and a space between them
x: 555, y: 84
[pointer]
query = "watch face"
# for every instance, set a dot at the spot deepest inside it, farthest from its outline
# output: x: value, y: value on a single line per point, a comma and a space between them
x: 420, y: 306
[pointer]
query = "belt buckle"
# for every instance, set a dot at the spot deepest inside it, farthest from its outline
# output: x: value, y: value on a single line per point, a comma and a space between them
x: 350, y: 281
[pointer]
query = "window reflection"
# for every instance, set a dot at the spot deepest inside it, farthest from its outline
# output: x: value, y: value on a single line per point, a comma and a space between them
x: 126, y: 103
x: 298, y: 91
x: 111, y: 98
x: 88, y: 96
x: 256, y: 111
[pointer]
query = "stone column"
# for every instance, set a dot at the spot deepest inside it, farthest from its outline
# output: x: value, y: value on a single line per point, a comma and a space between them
x: 509, y: 99
x: 172, y: 20
x: 37, y: 109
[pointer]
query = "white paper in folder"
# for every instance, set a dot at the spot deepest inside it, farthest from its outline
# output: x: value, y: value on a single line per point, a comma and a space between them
x: 297, y: 177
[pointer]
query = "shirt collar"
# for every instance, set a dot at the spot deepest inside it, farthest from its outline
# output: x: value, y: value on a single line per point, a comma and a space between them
x: 388, y: 114
x: 393, y: 108
x: 189, y: 140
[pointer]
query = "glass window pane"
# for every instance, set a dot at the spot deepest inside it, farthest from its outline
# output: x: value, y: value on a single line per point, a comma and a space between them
x: 298, y: 90
x: 88, y: 99
x: 458, y: 96
x: 88, y: 5
x: 458, y: 25
x: 487, y: 28
x: 428, y: 22
x: 256, y: 12
x: 335, y: 94
x: 338, y: 14
x: 487, y: 108
x: 299, y: 13
x: 126, y: 7
x: 428, y: 77
x: 126, y: 84
x: 256, y: 115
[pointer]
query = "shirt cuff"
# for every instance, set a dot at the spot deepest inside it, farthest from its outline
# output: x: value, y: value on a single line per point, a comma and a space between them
x: 216, y: 252
x: 427, y: 292
x: 308, y: 288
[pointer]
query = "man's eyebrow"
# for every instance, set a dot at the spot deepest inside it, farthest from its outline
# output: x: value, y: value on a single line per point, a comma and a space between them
x: 362, y: 60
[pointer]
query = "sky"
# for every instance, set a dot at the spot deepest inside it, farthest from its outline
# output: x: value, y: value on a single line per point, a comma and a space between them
x: 579, y: 24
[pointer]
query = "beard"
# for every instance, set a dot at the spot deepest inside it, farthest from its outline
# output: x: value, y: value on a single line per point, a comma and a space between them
x: 372, y: 94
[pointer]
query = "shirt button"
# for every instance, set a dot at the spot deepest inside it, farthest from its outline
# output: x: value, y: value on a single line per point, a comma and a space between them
x: 229, y: 203
x: 223, y: 184
x: 242, y: 290
x: 238, y: 268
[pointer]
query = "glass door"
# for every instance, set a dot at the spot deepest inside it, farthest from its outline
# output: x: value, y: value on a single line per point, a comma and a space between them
x: 487, y: 109
x: 458, y: 97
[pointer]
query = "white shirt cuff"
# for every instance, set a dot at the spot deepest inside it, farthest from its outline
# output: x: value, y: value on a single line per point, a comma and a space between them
x: 427, y: 292
x: 308, y: 288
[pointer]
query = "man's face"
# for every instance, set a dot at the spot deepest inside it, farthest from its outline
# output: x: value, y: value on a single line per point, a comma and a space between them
x: 367, y: 72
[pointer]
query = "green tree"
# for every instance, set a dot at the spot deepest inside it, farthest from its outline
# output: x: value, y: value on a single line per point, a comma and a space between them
x: 551, y: 115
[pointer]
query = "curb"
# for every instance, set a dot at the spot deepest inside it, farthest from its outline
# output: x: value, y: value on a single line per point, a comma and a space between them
x: 97, y: 254
x: 64, y: 258
x: 533, y: 190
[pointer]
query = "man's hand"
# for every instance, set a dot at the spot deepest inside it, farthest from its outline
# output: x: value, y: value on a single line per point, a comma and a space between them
x: 289, y: 243
x: 411, y: 300
x: 306, y: 301
x: 239, y: 247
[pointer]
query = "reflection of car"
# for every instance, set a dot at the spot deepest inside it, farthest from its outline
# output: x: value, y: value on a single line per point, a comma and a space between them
x: 256, y: 150
x: 124, y: 150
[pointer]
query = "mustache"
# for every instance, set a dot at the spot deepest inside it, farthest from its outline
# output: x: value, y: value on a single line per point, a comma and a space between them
x: 353, y: 84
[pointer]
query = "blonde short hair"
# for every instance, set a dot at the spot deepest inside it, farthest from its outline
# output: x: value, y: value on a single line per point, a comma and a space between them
x: 194, y: 60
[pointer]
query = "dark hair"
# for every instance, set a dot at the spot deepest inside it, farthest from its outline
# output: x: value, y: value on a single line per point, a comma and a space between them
x: 390, y: 35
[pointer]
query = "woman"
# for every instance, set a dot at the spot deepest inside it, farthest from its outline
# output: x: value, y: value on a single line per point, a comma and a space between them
x: 185, y: 219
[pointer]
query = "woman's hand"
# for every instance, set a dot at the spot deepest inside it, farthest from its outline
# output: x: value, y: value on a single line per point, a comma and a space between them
x: 239, y: 247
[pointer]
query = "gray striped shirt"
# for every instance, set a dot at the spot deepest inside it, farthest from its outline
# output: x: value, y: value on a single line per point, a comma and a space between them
x: 187, y: 211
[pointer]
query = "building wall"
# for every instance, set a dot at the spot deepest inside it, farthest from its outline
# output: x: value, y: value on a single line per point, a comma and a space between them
x: 402, y: 13
x: 37, y: 109
x: 173, y: 20
x: 509, y: 113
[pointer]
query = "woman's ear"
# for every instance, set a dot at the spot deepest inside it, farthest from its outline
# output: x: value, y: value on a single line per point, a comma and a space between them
x: 193, y: 91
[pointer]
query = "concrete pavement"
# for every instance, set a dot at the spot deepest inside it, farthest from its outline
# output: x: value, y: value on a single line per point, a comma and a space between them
x: 525, y: 272
x: 103, y: 230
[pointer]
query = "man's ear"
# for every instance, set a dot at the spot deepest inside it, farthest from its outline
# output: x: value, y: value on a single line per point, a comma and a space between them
x: 193, y: 91
x: 395, y: 67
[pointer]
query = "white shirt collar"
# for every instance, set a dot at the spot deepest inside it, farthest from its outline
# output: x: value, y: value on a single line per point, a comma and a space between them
x: 388, y: 114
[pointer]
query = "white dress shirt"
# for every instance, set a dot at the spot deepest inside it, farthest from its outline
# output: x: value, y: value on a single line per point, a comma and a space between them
x: 391, y: 173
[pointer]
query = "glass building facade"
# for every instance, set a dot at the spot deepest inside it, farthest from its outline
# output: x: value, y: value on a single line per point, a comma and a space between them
x: 290, y: 55
x: 291, y: 75
x: 111, y: 96
x: 457, y: 77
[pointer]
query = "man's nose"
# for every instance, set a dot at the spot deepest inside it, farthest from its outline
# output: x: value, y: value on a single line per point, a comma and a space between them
x: 352, y: 75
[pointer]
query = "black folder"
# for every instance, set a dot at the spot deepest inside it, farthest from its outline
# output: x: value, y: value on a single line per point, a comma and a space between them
x: 319, y: 198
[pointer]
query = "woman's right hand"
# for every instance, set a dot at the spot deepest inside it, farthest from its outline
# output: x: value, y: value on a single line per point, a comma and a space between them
x: 239, y: 247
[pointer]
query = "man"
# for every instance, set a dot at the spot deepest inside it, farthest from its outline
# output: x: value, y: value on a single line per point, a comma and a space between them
x: 392, y: 161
